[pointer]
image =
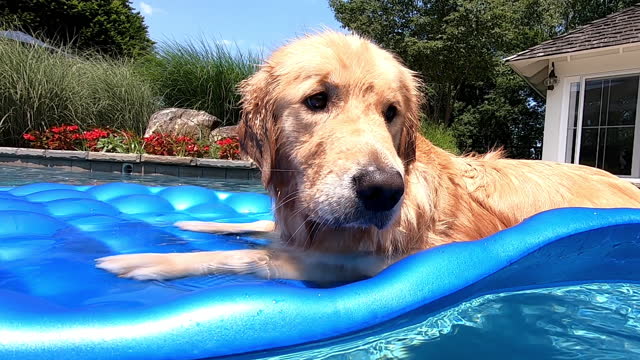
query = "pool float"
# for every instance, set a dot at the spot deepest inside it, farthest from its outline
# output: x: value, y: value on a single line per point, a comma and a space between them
x: 55, y: 304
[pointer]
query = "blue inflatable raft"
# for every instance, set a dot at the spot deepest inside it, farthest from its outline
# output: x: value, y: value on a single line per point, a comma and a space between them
x: 54, y: 304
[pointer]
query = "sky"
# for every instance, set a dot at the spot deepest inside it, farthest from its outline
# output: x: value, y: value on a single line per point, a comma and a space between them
x: 255, y: 25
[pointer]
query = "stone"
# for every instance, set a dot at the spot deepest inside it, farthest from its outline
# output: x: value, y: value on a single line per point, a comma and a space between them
x: 113, y: 157
x: 171, y: 160
x: 66, y: 154
x: 219, y: 163
x: 224, y: 132
x: 182, y: 122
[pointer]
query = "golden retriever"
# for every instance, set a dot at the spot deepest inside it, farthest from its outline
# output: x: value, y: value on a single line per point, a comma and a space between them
x: 332, y: 122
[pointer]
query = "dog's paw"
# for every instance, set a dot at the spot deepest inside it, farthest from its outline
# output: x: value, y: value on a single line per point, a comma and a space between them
x: 145, y: 266
x: 201, y: 226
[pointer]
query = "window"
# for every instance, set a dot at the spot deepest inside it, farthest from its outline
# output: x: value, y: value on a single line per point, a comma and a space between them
x: 603, y: 134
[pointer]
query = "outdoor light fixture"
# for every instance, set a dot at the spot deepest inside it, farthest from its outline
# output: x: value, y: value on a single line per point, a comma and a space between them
x: 552, y: 80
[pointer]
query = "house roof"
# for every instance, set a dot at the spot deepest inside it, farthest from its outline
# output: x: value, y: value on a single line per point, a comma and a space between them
x: 616, y: 29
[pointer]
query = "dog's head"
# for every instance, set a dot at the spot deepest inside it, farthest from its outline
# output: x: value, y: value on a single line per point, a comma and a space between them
x: 334, y: 117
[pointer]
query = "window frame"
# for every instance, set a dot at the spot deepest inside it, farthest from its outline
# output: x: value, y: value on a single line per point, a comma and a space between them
x: 564, y: 130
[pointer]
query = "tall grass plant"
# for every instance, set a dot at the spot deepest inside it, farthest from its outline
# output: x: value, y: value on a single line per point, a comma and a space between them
x: 200, y: 74
x: 43, y: 87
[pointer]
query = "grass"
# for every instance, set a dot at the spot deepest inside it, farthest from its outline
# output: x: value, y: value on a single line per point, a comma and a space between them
x: 440, y: 136
x: 43, y: 88
x: 200, y: 75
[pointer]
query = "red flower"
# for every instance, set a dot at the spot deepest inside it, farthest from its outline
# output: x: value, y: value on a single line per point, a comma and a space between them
x: 225, y: 142
x: 184, y: 139
x: 160, y: 144
x: 96, y: 134
x: 229, y: 148
x: 70, y: 137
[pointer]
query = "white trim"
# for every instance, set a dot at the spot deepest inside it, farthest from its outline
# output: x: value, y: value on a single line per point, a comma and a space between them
x: 634, y: 180
x: 564, y: 117
x: 612, y: 74
x: 576, y: 151
x: 635, y: 159
x: 567, y: 55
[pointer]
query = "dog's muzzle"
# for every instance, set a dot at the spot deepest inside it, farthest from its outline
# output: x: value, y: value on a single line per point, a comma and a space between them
x: 378, y: 192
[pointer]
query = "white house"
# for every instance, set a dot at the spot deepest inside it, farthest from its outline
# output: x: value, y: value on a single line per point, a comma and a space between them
x: 591, y: 80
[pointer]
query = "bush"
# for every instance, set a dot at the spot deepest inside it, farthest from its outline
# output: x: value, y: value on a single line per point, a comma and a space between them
x: 42, y: 88
x: 112, y: 27
x: 440, y: 136
x: 199, y: 75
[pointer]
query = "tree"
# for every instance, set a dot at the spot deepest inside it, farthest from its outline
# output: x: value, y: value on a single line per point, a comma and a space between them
x: 438, y: 38
x: 507, y: 116
x: 458, y: 47
x: 579, y: 12
x: 110, y: 27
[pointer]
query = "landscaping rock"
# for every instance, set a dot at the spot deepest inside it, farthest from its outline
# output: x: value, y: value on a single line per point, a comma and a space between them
x: 224, y: 132
x: 182, y: 122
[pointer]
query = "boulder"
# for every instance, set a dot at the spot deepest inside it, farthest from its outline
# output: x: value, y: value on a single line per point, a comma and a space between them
x: 182, y: 122
x: 224, y: 132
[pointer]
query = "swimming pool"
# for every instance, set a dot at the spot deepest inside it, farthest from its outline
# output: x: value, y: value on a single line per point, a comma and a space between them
x: 16, y: 176
x: 593, y: 321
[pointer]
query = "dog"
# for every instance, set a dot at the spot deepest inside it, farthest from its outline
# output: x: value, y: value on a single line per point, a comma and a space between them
x: 332, y: 122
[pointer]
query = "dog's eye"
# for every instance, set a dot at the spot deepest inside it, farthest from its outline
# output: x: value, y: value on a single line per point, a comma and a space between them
x: 317, y: 101
x: 390, y: 113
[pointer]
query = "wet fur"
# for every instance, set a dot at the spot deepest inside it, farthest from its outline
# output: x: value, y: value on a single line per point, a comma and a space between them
x: 305, y: 157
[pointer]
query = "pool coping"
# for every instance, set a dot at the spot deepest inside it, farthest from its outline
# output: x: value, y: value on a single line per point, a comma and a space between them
x: 139, y: 164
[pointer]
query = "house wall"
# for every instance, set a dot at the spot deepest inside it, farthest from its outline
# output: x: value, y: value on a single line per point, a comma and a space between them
x: 551, y: 141
x: 571, y: 69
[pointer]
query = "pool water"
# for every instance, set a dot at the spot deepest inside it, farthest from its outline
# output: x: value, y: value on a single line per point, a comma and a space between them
x: 16, y: 176
x: 589, y: 321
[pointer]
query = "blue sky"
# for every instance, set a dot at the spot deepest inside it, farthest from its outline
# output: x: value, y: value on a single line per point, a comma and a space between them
x: 251, y: 24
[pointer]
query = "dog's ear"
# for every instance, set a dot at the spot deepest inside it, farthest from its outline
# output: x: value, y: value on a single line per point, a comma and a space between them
x: 256, y: 128
x: 413, y: 91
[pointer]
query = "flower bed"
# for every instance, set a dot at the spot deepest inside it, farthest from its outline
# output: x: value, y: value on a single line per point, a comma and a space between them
x: 71, y: 137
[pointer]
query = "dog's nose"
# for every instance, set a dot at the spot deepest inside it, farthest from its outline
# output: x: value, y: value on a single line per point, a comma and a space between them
x: 379, y: 190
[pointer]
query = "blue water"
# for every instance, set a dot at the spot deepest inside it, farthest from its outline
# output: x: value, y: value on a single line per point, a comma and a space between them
x: 591, y: 321
x: 16, y: 176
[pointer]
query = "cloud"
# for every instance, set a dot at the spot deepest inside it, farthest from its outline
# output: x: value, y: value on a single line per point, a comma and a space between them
x: 146, y: 9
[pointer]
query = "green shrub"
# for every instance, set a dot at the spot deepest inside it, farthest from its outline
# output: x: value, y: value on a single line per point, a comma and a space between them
x: 40, y: 88
x: 440, y: 136
x: 200, y: 75
x: 121, y: 143
x: 112, y: 27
